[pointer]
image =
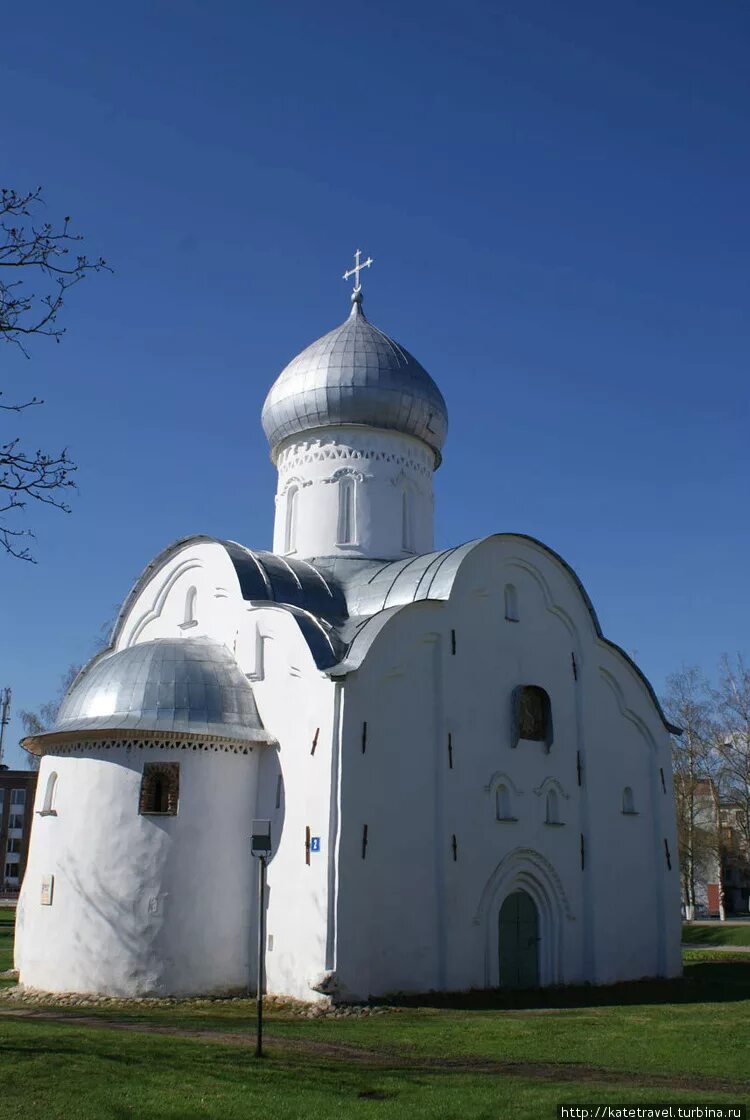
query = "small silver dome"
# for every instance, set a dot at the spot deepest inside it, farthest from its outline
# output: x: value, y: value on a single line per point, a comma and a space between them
x: 190, y: 686
x: 355, y: 374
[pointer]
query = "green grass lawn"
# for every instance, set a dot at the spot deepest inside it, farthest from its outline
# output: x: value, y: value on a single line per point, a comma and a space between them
x: 665, y: 1042
x: 7, y: 918
x: 719, y: 934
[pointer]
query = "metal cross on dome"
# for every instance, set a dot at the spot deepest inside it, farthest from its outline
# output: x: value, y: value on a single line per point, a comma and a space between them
x: 357, y: 269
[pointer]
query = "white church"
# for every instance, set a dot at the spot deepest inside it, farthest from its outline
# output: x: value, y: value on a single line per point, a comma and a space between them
x: 468, y: 785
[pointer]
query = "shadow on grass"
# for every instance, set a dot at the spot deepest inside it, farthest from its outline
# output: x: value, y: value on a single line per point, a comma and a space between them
x: 703, y: 982
x: 706, y: 936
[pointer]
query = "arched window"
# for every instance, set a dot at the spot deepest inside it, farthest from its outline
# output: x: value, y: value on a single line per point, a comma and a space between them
x: 552, y: 815
x: 504, y: 808
x: 160, y: 789
x: 532, y: 715
x: 347, y: 530
x: 191, y: 601
x: 290, y: 524
x: 511, y: 603
x: 628, y: 801
x: 407, y: 520
x: 48, y: 807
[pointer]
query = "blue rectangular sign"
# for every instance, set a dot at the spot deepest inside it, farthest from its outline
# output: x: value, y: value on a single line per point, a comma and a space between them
x: 314, y: 843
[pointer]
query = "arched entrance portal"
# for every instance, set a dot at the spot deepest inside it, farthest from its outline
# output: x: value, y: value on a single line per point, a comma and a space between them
x: 519, y: 941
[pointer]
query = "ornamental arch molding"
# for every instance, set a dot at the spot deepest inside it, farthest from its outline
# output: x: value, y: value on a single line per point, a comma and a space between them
x: 347, y: 472
x: 526, y: 870
x: 628, y: 712
x: 160, y: 598
x: 551, y: 783
x: 501, y: 777
x: 549, y: 601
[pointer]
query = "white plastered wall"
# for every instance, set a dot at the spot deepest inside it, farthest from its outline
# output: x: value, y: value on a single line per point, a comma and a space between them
x: 409, y: 916
x: 384, y: 466
x: 141, y: 905
x: 108, y: 862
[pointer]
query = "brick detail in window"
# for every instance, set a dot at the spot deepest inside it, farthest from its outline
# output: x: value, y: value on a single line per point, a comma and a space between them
x: 160, y: 789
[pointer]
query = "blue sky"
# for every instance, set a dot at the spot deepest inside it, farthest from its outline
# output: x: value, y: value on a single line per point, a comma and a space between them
x: 555, y: 196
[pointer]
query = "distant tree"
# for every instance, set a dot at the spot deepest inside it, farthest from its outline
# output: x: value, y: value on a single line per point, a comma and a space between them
x: 45, y: 716
x: 37, y: 268
x: 35, y: 723
x: 732, y: 700
x: 689, y: 704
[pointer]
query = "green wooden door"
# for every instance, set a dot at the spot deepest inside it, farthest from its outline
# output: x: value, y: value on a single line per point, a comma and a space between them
x: 519, y: 942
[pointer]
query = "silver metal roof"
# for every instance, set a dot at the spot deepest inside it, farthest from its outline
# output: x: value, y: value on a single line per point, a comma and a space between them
x: 189, y: 686
x: 355, y: 374
x: 334, y: 600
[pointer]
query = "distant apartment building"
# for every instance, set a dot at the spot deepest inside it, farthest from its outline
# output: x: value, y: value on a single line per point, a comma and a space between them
x: 17, y: 791
x: 721, y: 858
x: 735, y: 859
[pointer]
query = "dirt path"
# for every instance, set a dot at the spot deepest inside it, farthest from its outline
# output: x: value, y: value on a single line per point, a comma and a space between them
x: 395, y: 1060
x: 705, y: 947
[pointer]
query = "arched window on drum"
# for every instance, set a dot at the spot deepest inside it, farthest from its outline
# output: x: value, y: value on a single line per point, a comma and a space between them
x: 290, y: 520
x: 347, y: 519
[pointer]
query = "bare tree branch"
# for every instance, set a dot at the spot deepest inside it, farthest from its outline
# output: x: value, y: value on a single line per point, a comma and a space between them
x: 39, y: 251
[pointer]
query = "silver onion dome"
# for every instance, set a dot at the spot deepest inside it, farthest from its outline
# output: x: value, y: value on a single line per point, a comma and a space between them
x: 185, y: 686
x: 355, y: 374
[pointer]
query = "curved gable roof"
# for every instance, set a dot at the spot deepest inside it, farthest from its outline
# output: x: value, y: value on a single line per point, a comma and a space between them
x: 333, y: 600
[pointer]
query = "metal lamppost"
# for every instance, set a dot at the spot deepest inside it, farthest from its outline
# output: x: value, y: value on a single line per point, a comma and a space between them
x: 260, y: 847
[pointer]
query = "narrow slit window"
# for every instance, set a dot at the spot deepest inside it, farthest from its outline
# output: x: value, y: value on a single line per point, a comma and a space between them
x: 628, y: 801
x: 189, y: 614
x: 552, y: 815
x: 48, y: 807
x: 290, y: 524
x: 279, y: 786
x: 503, y: 806
x: 347, y: 533
x: 407, y: 521
x: 511, y: 603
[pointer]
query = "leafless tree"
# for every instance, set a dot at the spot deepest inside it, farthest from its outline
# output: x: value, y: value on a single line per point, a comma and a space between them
x: 35, y: 723
x: 45, y: 716
x: 732, y: 699
x: 689, y: 704
x: 38, y: 265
